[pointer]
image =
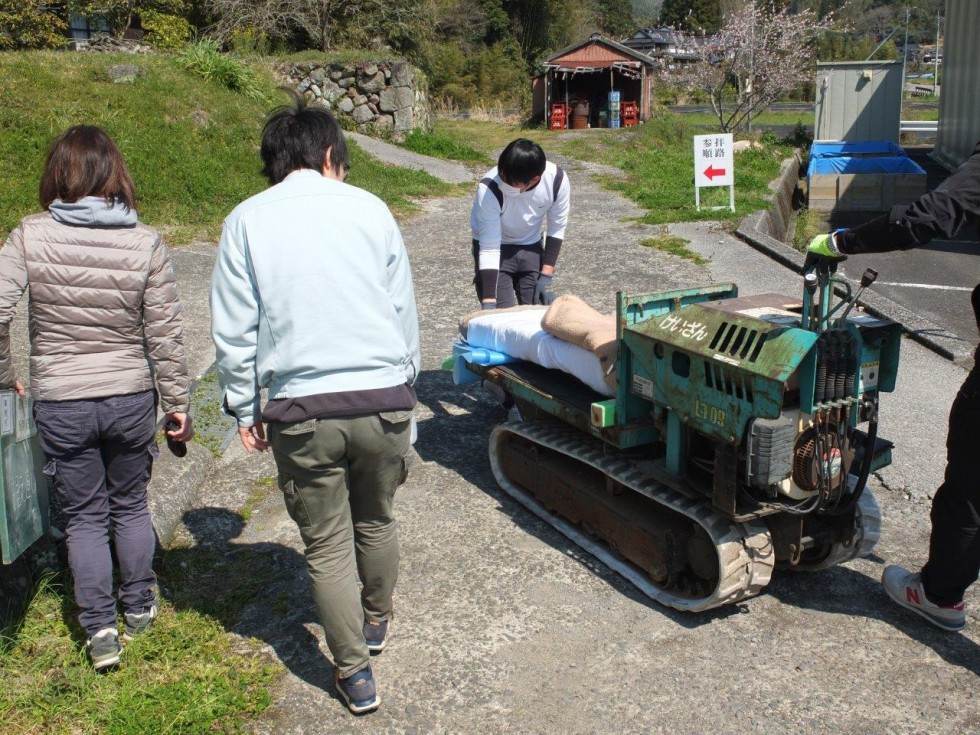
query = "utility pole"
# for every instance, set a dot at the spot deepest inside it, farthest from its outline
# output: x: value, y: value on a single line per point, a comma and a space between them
x: 935, y: 59
x: 749, y: 86
x: 905, y: 61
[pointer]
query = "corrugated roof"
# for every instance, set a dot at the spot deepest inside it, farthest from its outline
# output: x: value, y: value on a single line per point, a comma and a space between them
x: 597, y: 52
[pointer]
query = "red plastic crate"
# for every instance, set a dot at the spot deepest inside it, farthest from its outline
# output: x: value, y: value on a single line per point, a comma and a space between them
x: 630, y: 113
x: 559, y: 116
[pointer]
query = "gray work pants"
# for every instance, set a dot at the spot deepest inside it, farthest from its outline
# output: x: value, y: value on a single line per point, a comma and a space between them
x: 100, y: 453
x: 518, y: 274
x: 338, y: 478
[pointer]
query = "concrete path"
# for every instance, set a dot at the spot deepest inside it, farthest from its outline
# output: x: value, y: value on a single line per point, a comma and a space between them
x: 504, y: 627
x: 449, y: 171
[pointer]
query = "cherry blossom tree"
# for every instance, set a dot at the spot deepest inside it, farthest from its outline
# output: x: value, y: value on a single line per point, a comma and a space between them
x: 761, y: 53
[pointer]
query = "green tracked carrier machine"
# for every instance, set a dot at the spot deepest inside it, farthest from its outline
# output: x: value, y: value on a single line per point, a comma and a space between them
x: 740, y: 439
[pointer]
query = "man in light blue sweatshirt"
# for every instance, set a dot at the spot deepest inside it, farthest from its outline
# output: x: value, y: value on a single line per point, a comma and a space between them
x: 312, y: 299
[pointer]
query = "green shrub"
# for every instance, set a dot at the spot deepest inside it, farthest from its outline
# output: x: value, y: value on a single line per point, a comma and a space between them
x: 25, y: 25
x: 769, y: 137
x: 204, y: 57
x: 800, y: 137
x: 165, y: 31
x: 485, y: 76
x: 249, y: 40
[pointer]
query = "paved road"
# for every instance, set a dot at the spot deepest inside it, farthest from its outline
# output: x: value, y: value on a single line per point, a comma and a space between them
x: 504, y: 627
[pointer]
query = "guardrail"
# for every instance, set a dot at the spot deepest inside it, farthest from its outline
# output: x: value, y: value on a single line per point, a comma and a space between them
x: 919, y: 126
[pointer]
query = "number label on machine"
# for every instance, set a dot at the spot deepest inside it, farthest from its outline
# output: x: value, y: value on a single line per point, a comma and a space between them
x: 714, y: 165
x: 711, y: 414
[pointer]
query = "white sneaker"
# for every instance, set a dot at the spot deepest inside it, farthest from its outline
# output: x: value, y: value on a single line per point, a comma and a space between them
x: 104, y: 648
x: 137, y: 623
x: 905, y: 588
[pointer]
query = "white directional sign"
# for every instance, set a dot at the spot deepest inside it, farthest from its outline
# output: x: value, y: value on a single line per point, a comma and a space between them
x: 714, y: 165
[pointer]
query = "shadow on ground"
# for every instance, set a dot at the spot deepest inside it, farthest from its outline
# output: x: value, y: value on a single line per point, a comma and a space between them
x: 257, y: 590
x: 457, y: 438
x: 844, y: 591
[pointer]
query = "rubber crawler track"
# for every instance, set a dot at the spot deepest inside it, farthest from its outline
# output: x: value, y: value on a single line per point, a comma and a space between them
x: 745, y: 551
x: 867, y: 531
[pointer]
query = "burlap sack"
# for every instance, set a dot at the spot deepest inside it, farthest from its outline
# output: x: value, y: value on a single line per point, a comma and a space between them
x: 571, y: 319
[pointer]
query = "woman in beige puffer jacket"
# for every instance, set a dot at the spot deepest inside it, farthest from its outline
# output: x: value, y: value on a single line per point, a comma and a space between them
x: 106, y: 341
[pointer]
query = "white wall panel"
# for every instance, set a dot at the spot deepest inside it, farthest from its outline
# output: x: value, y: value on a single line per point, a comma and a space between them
x: 959, y: 103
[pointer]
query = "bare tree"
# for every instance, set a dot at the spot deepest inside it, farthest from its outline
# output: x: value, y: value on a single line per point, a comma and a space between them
x: 760, y: 54
x: 318, y: 20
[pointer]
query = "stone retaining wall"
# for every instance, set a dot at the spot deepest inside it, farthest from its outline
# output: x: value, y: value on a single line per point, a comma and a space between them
x: 387, y: 97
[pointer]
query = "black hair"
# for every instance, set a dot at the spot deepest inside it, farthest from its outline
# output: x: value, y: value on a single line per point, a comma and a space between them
x: 521, y: 161
x: 297, y: 136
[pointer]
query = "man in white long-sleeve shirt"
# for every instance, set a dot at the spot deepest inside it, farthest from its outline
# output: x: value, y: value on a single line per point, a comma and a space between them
x: 513, y: 200
x: 312, y: 299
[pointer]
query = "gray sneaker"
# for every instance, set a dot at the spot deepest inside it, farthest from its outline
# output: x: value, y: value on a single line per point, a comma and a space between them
x: 104, y: 648
x: 137, y: 623
x: 905, y: 588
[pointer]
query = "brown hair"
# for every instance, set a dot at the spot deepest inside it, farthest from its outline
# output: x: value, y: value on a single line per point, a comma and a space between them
x: 83, y: 162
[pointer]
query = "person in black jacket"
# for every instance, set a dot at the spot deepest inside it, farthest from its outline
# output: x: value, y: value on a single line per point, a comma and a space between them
x: 936, y: 592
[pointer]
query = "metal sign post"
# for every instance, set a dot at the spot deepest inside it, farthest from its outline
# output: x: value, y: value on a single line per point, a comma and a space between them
x: 714, y: 165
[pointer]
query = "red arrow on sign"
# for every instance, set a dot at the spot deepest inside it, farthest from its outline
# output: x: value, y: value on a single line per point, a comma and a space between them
x: 711, y: 172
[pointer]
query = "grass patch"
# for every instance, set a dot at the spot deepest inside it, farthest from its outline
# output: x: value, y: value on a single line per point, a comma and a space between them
x: 674, y: 245
x: 181, y: 676
x: 658, y: 161
x: 211, y: 424
x: 487, y: 138
x: 204, y: 58
x: 809, y: 224
x: 443, y: 145
x: 190, y: 144
x: 261, y: 489
x: 769, y: 117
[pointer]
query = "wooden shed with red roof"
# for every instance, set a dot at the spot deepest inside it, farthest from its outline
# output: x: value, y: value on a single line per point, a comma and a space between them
x: 583, y: 75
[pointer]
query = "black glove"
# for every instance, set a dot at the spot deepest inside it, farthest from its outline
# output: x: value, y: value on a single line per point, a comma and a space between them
x: 487, y: 305
x: 543, y: 292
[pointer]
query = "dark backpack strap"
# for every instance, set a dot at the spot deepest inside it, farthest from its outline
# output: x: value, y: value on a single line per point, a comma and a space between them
x: 492, y: 186
x: 559, y: 177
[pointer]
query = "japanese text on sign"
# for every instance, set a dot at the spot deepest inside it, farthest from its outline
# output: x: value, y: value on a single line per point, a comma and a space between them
x: 713, y: 164
x: 688, y: 330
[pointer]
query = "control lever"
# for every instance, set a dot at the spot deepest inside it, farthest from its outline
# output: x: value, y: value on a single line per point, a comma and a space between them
x: 810, y: 283
x: 869, y: 277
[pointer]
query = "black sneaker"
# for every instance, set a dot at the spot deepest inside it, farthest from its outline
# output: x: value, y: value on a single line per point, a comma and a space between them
x: 104, y: 648
x: 376, y: 635
x: 358, y: 691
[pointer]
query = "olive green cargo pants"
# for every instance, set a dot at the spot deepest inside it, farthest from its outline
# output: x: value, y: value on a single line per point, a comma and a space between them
x: 338, y: 478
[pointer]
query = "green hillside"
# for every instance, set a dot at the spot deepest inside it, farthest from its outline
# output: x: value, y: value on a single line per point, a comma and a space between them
x: 191, y: 145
